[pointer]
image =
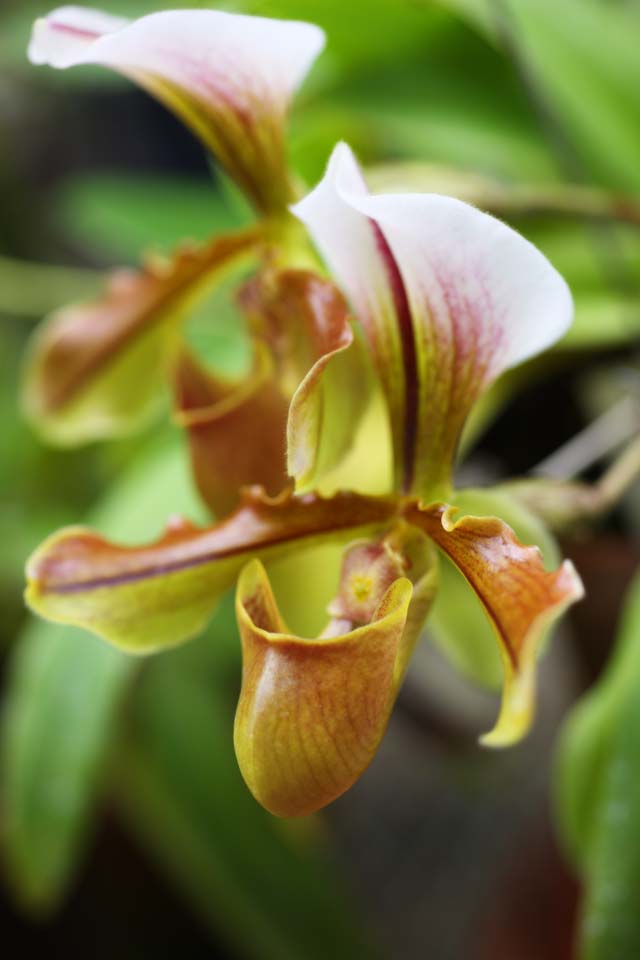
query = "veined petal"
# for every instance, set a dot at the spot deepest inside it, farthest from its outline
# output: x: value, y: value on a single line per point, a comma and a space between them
x: 457, y: 613
x: 465, y: 297
x: 520, y: 598
x: 312, y: 712
x: 358, y: 257
x: 236, y: 429
x: 229, y: 77
x: 306, y: 323
x: 146, y: 598
x: 97, y: 369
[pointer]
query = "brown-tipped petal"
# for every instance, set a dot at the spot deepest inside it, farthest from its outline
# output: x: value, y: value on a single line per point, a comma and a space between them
x: 311, y: 712
x: 306, y: 323
x: 229, y: 77
x: 146, y: 598
x: 97, y: 368
x: 236, y: 430
x: 520, y: 597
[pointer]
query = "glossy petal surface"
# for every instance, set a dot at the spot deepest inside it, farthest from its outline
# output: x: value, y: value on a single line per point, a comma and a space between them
x: 229, y: 77
x: 520, y: 598
x: 311, y: 712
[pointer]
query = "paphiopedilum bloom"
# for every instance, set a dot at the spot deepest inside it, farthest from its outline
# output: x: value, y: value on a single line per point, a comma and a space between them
x: 428, y: 302
x: 229, y: 77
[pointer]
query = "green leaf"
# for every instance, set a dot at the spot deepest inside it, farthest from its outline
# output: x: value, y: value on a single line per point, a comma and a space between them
x: 163, y: 593
x: 118, y: 215
x: 63, y: 696
x: 611, y: 922
x: 266, y: 885
x: 394, y: 28
x: 587, y: 741
x: 591, y: 86
x: 64, y: 692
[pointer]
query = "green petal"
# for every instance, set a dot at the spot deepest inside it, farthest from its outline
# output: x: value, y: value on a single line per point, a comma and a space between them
x: 146, y: 598
x: 320, y: 365
x: 97, y: 369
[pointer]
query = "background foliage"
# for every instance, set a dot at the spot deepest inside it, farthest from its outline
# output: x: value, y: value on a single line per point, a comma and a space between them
x: 117, y: 779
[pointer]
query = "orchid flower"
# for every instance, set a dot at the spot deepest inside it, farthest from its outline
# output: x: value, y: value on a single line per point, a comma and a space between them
x: 428, y: 301
x: 229, y: 77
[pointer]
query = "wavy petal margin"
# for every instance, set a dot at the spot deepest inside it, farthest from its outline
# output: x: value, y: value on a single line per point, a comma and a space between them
x: 449, y: 298
x: 228, y: 76
x: 520, y: 597
x: 297, y: 412
x: 147, y: 598
x: 97, y: 369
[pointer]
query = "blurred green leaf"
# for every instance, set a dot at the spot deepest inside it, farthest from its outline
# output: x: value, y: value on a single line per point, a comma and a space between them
x: 265, y: 884
x: 120, y: 216
x: 26, y: 516
x: 603, y: 321
x: 33, y: 289
x: 63, y: 694
x: 62, y: 702
x: 591, y: 88
x: 393, y: 27
x: 427, y: 108
x: 611, y: 921
x: 477, y: 12
x: 588, y: 743
x: 592, y: 85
